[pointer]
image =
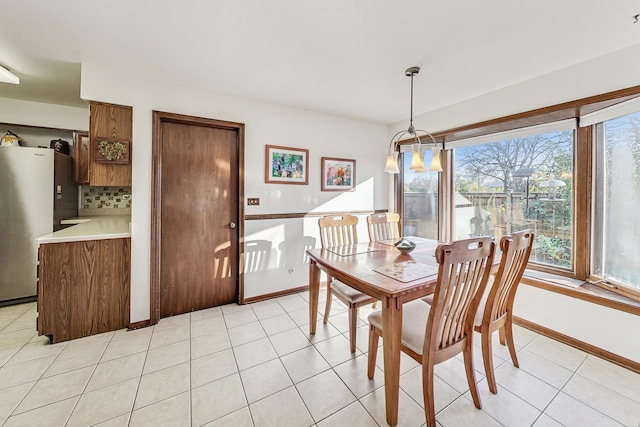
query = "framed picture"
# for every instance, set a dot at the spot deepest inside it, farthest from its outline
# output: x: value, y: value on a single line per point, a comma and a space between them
x: 338, y: 174
x: 286, y: 165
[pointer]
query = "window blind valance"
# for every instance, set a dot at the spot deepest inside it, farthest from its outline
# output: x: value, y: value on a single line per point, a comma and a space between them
x: 562, y: 125
x: 615, y: 111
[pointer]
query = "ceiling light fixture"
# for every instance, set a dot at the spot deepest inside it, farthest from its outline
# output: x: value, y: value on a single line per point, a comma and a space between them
x: 7, y: 76
x: 417, y: 160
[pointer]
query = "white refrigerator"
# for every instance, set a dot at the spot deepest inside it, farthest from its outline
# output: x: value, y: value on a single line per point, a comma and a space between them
x: 36, y: 192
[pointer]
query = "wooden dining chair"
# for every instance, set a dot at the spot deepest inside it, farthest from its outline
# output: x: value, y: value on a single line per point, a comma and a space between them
x: 383, y: 226
x: 339, y: 230
x: 495, y: 311
x: 434, y: 333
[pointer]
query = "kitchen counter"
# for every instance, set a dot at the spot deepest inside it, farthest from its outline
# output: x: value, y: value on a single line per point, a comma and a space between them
x: 90, y: 228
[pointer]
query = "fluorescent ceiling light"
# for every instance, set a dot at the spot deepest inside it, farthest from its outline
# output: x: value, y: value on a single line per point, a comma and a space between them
x: 7, y: 76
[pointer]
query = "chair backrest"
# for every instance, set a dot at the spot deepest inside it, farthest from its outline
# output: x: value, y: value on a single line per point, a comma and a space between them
x: 338, y: 230
x: 383, y: 226
x: 516, y: 249
x: 463, y: 272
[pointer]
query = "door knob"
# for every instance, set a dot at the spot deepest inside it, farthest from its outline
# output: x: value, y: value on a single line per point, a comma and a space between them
x: 232, y: 225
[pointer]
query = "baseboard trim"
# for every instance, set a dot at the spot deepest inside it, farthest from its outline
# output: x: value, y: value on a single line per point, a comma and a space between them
x: 580, y: 345
x: 275, y: 294
x: 139, y: 325
x: 16, y: 301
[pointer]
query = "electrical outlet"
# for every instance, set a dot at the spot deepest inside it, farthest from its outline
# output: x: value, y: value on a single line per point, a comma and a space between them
x: 253, y: 201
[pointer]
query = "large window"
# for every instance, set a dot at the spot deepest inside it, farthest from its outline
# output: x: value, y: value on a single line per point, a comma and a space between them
x: 524, y: 182
x: 616, y: 231
x: 420, y: 200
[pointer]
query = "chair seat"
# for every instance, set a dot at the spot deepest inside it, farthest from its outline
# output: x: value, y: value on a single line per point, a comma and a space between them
x: 354, y: 296
x: 414, y: 323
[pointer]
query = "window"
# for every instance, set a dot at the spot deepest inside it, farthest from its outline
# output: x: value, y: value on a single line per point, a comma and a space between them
x: 514, y: 183
x: 616, y: 231
x: 420, y: 199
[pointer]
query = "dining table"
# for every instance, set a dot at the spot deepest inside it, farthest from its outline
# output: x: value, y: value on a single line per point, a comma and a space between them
x: 380, y: 270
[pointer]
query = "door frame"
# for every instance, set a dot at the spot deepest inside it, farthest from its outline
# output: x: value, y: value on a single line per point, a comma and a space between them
x: 159, y: 118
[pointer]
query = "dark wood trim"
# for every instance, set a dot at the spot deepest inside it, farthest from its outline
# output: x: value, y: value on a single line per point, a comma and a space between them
x: 16, y: 301
x: 582, y: 176
x: 46, y: 127
x: 275, y: 294
x: 158, y: 118
x: 257, y: 217
x: 580, y: 345
x: 563, y: 111
x: 589, y: 293
x: 139, y: 325
x: 241, y: 201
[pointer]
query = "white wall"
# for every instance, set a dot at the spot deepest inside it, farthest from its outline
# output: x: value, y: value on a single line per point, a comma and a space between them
x: 600, y: 326
x: 322, y: 134
x: 29, y: 113
x: 603, y: 327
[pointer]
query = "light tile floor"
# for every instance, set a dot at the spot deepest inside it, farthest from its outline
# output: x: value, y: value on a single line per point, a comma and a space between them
x: 257, y: 365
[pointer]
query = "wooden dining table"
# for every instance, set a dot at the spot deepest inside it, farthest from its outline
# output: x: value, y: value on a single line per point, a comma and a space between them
x: 380, y: 270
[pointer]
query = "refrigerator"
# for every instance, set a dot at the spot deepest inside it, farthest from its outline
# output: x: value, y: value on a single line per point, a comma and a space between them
x: 37, y: 191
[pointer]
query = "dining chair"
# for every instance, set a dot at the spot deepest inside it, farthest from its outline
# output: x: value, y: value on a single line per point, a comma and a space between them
x: 383, y: 226
x: 338, y: 230
x: 434, y: 333
x: 495, y: 311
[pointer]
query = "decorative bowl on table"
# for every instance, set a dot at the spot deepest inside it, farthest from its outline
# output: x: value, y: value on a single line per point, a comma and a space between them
x: 405, y: 245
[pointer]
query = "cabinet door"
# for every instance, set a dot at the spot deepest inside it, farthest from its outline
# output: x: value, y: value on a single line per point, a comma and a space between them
x: 84, y: 288
x: 111, y: 122
x: 81, y: 157
x: 53, y: 297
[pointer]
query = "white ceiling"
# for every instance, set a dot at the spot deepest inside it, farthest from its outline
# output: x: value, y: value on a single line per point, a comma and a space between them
x: 342, y: 56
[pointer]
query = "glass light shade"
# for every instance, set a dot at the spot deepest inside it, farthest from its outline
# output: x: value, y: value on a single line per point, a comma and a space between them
x: 392, y: 161
x: 421, y: 168
x: 436, y: 166
x: 417, y: 162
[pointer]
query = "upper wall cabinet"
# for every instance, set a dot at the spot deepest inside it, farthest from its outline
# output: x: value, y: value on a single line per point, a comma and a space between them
x: 110, y: 145
x: 81, y: 157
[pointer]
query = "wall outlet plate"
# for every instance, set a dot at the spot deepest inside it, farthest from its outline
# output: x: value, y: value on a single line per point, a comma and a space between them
x: 253, y: 201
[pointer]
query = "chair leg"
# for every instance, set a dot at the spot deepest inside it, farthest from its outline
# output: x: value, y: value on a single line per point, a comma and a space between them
x: 353, y: 324
x: 487, y: 358
x: 373, y: 351
x: 427, y: 393
x: 501, y: 333
x: 327, y: 308
x: 511, y: 343
x: 471, y: 373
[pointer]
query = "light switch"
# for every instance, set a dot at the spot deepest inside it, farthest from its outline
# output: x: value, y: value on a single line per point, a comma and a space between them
x: 253, y: 201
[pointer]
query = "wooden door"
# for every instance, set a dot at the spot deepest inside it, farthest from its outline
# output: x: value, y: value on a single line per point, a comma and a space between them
x: 197, y: 210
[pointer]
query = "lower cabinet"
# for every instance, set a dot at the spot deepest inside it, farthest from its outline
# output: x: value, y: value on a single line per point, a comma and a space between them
x: 84, y: 288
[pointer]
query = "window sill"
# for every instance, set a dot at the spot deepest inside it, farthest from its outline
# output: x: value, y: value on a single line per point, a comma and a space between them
x: 581, y: 290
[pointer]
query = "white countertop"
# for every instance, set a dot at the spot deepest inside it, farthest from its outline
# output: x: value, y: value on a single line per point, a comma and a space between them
x: 91, y: 228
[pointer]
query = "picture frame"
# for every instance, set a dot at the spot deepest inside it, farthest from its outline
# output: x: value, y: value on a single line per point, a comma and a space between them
x: 286, y: 165
x: 338, y: 174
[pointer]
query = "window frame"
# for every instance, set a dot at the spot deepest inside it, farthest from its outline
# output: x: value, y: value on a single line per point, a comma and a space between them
x: 582, y: 169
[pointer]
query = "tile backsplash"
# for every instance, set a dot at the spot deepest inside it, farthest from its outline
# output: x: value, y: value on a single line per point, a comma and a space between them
x: 105, y: 197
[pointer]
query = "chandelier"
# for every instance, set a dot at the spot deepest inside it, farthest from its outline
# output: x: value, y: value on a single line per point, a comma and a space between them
x: 417, y: 159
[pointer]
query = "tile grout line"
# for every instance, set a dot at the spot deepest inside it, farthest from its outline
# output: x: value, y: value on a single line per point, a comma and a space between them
x: 85, y: 386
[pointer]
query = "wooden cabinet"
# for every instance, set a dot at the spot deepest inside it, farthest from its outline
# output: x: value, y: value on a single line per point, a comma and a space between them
x: 81, y: 157
x: 111, y: 123
x: 83, y: 288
